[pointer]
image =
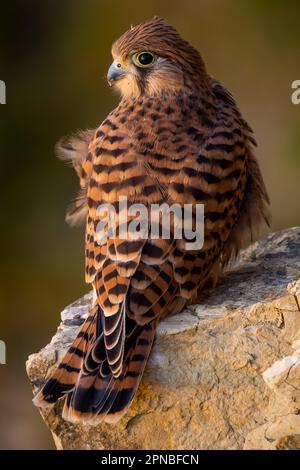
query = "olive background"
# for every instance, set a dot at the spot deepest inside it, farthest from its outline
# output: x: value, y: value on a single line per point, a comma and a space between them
x: 53, y: 57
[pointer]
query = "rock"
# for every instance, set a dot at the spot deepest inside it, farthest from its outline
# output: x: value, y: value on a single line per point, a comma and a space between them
x: 223, y: 374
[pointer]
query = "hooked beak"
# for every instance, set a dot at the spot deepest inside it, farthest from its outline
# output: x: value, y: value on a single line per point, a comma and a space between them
x: 115, y: 72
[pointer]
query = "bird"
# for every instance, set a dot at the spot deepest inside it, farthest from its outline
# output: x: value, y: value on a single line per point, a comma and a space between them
x: 176, y: 137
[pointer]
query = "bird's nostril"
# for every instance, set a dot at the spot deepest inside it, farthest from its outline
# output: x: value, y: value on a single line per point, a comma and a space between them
x: 115, y: 72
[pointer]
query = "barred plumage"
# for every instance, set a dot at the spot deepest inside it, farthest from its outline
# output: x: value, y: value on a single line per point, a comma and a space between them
x: 176, y: 137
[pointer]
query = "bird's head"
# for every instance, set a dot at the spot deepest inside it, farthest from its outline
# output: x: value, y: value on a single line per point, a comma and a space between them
x: 152, y: 58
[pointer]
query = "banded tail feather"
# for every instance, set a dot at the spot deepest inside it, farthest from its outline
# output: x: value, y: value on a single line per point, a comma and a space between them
x: 93, y: 393
x: 65, y: 376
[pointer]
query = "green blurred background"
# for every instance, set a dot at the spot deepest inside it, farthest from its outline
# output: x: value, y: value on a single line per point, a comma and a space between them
x: 53, y: 58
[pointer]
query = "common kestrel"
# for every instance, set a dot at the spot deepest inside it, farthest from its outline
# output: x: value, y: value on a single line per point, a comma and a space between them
x: 176, y: 136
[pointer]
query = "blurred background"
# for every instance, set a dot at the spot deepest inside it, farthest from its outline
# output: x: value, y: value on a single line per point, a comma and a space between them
x: 53, y: 58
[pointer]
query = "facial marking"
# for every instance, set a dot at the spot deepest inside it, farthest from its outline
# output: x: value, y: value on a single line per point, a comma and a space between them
x: 144, y: 73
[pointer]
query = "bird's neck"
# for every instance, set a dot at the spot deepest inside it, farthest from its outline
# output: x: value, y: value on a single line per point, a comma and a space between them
x: 181, y: 98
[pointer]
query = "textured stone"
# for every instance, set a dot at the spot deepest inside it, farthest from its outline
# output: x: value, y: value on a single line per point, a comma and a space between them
x: 223, y: 374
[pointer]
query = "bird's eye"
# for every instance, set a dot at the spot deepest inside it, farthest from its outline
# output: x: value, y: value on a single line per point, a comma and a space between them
x: 143, y: 59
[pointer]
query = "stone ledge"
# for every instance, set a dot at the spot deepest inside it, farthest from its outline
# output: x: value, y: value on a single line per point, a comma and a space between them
x: 223, y: 374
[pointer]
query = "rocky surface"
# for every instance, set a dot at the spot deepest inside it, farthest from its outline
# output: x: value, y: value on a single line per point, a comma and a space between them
x: 223, y: 374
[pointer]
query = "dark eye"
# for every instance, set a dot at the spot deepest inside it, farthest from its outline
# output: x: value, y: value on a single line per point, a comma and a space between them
x: 143, y: 59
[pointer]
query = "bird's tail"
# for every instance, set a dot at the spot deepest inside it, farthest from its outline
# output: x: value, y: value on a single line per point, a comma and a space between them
x: 93, y: 394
